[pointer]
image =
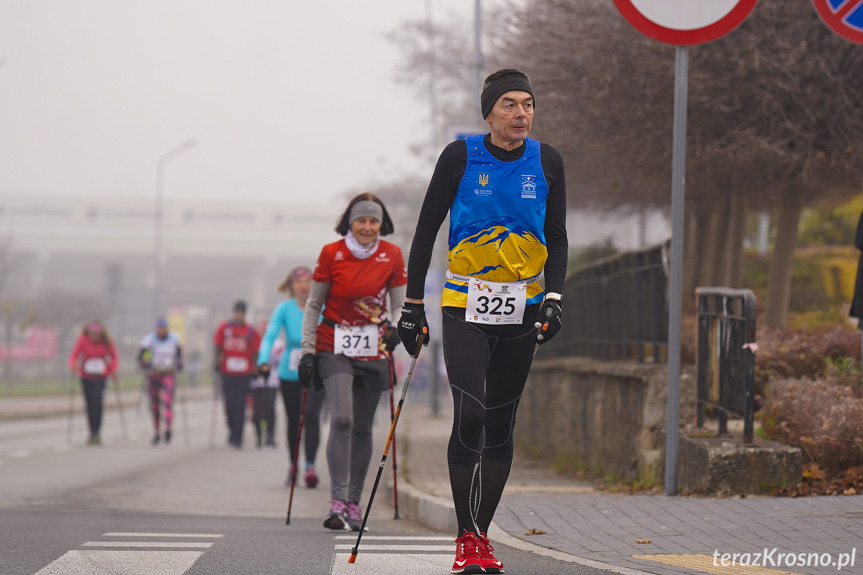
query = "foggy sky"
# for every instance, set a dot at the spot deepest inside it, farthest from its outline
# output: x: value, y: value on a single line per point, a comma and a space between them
x: 286, y: 100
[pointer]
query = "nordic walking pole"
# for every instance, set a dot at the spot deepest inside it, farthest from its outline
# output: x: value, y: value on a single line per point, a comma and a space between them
x: 392, y: 416
x: 71, y: 407
x: 420, y: 341
x: 187, y: 439
x: 217, y: 381
x: 297, y: 453
x: 120, y: 407
x: 145, y: 382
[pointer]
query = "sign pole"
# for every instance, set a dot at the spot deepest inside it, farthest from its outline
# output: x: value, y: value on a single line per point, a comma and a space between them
x: 675, y: 296
x: 681, y: 24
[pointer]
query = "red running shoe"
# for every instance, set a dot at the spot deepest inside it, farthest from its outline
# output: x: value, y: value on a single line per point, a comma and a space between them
x: 490, y: 563
x: 467, y: 559
x: 311, y: 476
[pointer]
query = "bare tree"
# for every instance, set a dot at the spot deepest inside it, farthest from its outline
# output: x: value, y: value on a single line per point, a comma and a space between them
x: 774, y: 117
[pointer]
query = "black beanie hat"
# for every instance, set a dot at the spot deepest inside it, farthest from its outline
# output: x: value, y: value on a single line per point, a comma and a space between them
x: 492, y: 93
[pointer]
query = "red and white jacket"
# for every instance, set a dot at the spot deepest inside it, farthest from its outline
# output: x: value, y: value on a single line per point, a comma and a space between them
x: 238, y: 348
x: 93, y: 360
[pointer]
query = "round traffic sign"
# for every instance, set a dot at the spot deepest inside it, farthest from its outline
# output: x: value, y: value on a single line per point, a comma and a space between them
x: 845, y: 17
x: 685, y: 22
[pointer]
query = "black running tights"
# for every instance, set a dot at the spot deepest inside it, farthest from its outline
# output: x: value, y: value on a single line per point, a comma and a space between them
x: 487, y: 366
x: 292, y: 397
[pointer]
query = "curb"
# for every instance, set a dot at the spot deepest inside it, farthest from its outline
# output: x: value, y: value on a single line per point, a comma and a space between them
x: 52, y: 406
x: 438, y: 514
x: 433, y: 512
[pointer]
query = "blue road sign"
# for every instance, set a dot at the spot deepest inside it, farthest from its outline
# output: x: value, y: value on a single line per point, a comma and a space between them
x: 845, y: 17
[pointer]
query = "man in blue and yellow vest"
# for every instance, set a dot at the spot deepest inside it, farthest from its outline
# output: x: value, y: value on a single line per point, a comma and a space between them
x: 506, y: 196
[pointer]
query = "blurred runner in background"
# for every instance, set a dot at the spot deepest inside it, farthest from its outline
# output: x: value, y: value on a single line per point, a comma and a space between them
x: 161, y: 357
x: 264, y: 388
x: 288, y: 317
x: 236, y: 350
x: 94, y: 360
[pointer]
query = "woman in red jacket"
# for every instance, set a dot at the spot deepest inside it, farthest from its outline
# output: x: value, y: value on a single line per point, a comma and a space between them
x: 94, y: 359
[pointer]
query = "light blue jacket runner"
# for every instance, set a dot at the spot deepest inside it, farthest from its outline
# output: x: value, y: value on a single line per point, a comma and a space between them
x: 288, y: 317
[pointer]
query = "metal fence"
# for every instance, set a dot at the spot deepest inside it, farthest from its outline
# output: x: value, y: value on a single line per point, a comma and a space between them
x: 617, y: 308
x: 726, y: 355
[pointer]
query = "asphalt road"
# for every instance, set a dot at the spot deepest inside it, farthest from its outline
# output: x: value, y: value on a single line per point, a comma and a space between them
x: 130, y: 508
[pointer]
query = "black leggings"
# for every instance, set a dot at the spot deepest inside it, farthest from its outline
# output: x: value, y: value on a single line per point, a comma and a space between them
x: 487, y: 366
x: 235, y: 389
x: 264, y: 409
x: 94, y: 391
x: 292, y: 396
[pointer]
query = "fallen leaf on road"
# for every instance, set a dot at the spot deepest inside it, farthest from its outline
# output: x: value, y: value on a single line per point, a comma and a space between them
x: 642, y: 540
x: 535, y: 532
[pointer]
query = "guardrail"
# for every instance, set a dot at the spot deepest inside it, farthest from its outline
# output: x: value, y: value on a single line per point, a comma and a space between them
x: 726, y: 356
x: 617, y: 308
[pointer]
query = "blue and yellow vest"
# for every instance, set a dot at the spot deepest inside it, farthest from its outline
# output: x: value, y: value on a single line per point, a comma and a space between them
x: 496, y: 221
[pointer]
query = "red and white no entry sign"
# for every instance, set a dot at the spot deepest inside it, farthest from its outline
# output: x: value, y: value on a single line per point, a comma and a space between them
x: 845, y: 17
x: 685, y: 22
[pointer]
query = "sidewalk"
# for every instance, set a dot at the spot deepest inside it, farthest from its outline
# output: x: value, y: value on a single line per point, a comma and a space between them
x: 598, y: 529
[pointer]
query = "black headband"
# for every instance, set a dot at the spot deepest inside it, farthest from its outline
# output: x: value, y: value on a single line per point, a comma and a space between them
x: 500, y: 87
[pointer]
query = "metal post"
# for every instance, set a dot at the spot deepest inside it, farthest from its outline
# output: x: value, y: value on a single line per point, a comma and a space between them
x: 157, y: 233
x: 678, y: 187
x: 763, y: 233
x: 157, y: 220
x: 432, y: 78
x: 477, y: 39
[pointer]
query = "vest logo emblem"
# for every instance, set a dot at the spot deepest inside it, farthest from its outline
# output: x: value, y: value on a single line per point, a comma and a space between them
x: 528, y: 187
x: 483, y: 180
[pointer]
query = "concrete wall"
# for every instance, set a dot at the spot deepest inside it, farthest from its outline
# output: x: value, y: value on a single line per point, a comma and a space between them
x: 606, y: 417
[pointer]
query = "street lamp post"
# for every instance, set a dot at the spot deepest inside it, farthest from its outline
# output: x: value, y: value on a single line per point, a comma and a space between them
x: 157, y: 247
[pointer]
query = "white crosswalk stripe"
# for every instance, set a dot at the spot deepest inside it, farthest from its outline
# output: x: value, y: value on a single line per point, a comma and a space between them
x: 424, y: 548
x: 397, y: 538
x: 187, y: 535
x: 159, y: 557
x: 165, y: 544
x: 394, y: 555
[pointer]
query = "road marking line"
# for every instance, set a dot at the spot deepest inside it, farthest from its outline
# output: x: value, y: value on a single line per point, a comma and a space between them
x: 19, y: 454
x: 198, y: 535
x: 390, y: 564
x: 707, y: 563
x: 398, y: 538
x: 84, y: 562
x: 426, y: 548
x: 194, y: 544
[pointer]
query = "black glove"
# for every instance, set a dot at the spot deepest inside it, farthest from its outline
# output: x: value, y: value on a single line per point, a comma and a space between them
x: 391, y: 338
x: 412, y: 325
x: 264, y: 370
x: 548, y: 323
x: 306, y: 370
